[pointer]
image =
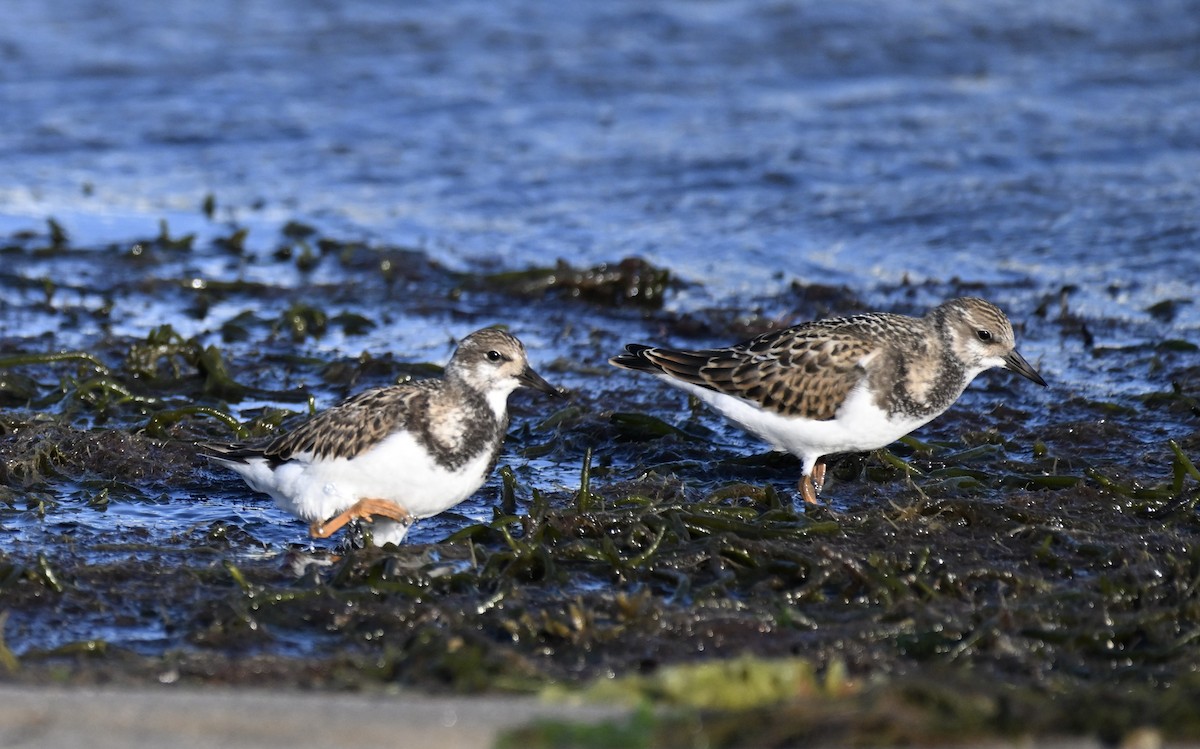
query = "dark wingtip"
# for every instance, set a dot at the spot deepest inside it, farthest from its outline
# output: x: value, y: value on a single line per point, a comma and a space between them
x: 633, y: 358
x: 234, y: 452
x: 214, y: 449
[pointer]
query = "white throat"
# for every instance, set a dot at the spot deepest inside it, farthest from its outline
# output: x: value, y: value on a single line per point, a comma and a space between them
x: 498, y: 400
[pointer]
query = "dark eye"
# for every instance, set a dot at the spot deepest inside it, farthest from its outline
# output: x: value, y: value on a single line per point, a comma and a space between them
x: 984, y: 335
x: 494, y: 356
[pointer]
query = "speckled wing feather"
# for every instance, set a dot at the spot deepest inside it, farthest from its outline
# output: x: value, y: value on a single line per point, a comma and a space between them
x: 805, y: 371
x: 343, y: 431
x: 352, y: 426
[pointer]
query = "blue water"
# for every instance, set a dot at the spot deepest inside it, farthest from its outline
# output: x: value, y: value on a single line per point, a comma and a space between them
x: 902, y: 150
x: 736, y: 141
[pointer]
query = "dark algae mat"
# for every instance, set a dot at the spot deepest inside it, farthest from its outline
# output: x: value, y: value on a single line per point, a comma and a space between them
x: 1026, y: 563
x: 217, y: 218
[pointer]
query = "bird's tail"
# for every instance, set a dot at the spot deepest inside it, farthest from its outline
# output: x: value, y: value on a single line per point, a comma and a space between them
x: 228, y: 453
x: 634, y: 358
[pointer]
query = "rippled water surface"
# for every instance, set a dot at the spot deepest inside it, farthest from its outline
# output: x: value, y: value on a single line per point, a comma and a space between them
x: 781, y: 160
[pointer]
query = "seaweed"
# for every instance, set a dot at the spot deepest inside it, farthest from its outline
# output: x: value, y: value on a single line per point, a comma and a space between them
x: 1009, y: 567
x: 631, y: 281
x: 302, y: 321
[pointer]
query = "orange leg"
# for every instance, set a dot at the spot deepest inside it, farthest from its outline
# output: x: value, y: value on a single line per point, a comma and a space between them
x: 363, y: 509
x: 818, y: 476
x: 807, y: 490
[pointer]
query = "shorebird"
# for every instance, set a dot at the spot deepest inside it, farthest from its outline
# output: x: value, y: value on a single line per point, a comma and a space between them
x: 398, y: 453
x: 848, y: 384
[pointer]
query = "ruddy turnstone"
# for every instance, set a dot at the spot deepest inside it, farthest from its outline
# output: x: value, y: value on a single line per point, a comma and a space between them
x: 843, y: 385
x: 397, y: 453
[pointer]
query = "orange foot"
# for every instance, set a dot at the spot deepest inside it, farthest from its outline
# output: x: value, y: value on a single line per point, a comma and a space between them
x: 812, y: 483
x: 807, y: 490
x: 363, y: 509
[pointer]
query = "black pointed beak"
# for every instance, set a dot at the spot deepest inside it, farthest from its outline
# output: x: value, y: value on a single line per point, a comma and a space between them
x: 532, y: 379
x: 1016, y: 363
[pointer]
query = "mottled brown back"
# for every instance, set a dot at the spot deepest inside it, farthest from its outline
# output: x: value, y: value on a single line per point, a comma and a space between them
x: 355, y: 424
x: 804, y: 371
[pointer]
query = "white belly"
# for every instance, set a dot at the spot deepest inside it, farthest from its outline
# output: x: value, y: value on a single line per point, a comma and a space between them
x: 859, y: 425
x: 398, y: 470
